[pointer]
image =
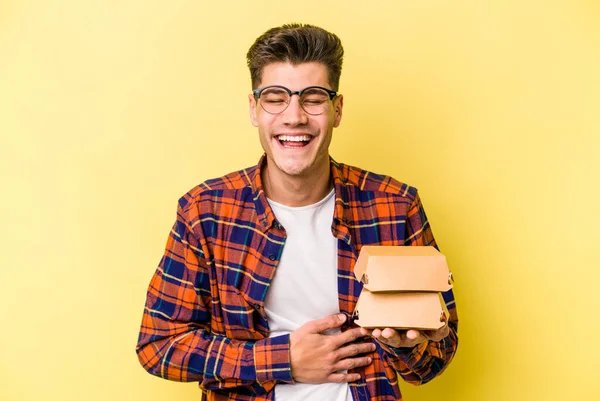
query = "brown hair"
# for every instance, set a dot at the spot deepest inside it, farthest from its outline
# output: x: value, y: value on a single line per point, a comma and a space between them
x: 295, y: 44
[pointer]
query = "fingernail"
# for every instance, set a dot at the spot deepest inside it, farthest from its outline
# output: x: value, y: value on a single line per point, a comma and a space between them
x: 342, y: 317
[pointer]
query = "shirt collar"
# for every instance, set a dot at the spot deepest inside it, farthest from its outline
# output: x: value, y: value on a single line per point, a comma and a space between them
x: 341, y: 212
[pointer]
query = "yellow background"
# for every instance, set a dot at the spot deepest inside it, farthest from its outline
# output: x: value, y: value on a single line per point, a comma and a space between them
x: 110, y: 110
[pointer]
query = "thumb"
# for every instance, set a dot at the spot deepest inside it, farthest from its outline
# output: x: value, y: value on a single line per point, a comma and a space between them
x: 329, y: 322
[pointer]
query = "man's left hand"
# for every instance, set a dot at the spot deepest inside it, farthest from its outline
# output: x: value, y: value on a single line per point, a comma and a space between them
x: 406, y: 338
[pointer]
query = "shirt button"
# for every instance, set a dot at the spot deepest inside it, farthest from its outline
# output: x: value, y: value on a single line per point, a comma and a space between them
x: 272, y: 257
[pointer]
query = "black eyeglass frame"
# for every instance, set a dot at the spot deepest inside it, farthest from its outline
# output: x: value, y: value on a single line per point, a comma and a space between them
x: 257, y: 92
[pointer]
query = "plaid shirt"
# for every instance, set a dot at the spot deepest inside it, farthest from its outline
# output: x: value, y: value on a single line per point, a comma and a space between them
x: 204, y: 318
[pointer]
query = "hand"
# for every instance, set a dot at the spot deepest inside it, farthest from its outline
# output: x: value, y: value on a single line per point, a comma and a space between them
x: 406, y: 338
x: 318, y: 358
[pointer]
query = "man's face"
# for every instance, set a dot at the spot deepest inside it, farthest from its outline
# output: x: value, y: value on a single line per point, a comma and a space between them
x: 280, y: 134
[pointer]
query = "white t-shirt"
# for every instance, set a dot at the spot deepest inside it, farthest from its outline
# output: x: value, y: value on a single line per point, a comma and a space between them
x: 305, y: 286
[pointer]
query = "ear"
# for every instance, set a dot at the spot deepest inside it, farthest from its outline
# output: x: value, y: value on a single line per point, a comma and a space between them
x: 338, y: 105
x: 253, y: 110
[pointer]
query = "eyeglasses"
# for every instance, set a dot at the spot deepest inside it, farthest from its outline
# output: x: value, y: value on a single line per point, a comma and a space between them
x: 275, y: 99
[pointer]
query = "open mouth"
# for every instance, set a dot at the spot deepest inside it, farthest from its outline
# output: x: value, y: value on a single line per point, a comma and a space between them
x: 294, y: 141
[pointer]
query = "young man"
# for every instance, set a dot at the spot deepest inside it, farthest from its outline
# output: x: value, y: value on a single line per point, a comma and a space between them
x: 254, y: 295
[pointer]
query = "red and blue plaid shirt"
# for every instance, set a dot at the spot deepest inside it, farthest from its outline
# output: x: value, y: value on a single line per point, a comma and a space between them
x: 204, y: 318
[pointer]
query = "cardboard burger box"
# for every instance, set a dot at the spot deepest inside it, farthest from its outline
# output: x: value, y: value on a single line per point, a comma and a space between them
x: 402, y: 287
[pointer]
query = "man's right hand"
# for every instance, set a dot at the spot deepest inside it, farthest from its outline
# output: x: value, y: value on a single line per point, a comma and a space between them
x: 319, y: 358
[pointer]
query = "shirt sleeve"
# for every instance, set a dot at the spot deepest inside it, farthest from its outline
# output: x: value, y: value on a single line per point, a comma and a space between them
x: 175, y: 340
x: 420, y: 364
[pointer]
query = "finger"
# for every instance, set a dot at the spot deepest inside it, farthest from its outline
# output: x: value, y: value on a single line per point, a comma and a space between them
x: 343, y: 377
x: 347, y: 336
x: 351, y: 363
x: 355, y: 349
x: 365, y: 332
x: 410, y: 338
x: 412, y: 334
x: 390, y: 334
x: 329, y: 322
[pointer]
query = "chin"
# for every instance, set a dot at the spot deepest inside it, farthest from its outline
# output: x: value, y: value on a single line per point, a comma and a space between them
x: 293, y: 169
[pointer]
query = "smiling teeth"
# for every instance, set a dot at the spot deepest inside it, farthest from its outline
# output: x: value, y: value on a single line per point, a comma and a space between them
x: 296, y: 138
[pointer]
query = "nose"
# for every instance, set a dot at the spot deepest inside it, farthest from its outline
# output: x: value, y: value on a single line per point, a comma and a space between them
x: 295, y: 114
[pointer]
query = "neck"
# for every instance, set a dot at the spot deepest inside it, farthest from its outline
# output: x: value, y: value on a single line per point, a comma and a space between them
x: 296, y: 191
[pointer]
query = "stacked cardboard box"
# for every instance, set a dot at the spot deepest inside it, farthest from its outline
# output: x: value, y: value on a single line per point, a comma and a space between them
x: 402, y: 287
